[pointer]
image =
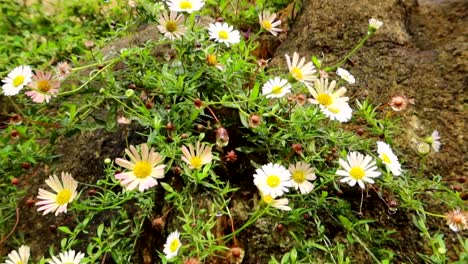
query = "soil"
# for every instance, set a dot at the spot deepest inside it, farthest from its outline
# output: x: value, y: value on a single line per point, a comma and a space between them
x: 420, y: 52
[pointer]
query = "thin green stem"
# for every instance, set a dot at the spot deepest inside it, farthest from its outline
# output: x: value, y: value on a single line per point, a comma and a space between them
x: 351, y: 53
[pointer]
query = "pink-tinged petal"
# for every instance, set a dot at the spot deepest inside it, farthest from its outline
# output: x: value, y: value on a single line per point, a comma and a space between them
x: 125, y: 163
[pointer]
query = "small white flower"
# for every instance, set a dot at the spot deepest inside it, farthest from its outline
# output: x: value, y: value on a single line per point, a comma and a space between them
x: 389, y: 158
x: 276, y: 88
x: 345, y: 75
x: 374, y: 24
x: 281, y: 204
x: 272, y: 179
x: 332, y: 103
x: 457, y: 220
x: 188, y: 6
x: 67, y: 257
x: 18, y: 257
x: 223, y: 33
x: 301, y: 71
x: 173, y: 244
x: 339, y: 111
x: 434, y: 140
x: 358, y: 169
x: 16, y: 80
x: 171, y: 25
x: 267, y: 21
x: 301, y: 174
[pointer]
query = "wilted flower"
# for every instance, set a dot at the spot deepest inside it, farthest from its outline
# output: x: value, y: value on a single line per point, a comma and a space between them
x: 65, y: 193
x: 301, y: 71
x: 267, y: 21
x: 198, y: 156
x: 276, y: 88
x: 255, y: 120
x: 19, y: 257
x: 457, y: 220
x: 68, y: 257
x: 434, y: 140
x: 358, y: 169
x: 173, y: 244
x: 63, y: 69
x: 188, y: 6
x: 400, y: 102
x: 171, y: 25
x: 331, y: 102
x: 43, y: 87
x: 122, y: 120
x: 389, y: 158
x: 272, y: 179
x: 345, y: 75
x: 281, y: 204
x: 223, y: 33
x: 301, y: 174
x: 16, y: 80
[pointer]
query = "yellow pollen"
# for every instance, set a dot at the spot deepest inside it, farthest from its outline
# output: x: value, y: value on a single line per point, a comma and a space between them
x: 196, y: 162
x: 273, y: 181
x: 63, y: 197
x: 174, y: 245
x: 223, y: 35
x: 357, y: 173
x: 297, y: 73
x: 171, y: 26
x: 142, y: 169
x: 324, y: 99
x: 18, y: 80
x: 277, y: 90
x: 43, y: 86
x: 386, y: 159
x: 267, y: 198
x: 298, y: 176
x: 266, y: 25
x: 186, y: 5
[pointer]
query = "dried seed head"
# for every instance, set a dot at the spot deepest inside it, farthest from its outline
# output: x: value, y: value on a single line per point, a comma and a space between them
x: 301, y: 99
x: 14, y: 181
x: 26, y: 165
x: 170, y: 126
x: 255, y: 120
x: 16, y: 120
x: 14, y: 134
x: 279, y: 227
x: 231, y: 156
x: 198, y: 103
x: 30, y: 202
x: 158, y: 223
x: 297, y: 148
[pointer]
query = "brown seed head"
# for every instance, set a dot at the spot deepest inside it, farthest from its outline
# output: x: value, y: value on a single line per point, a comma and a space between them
x: 255, y: 120
x: 297, y: 148
x: 198, y: 103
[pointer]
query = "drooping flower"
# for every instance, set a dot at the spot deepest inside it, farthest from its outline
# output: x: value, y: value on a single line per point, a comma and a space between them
x: 188, y: 6
x: 374, y: 24
x: 173, y: 244
x: 301, y: 71
x: 68, y: 257
x: 223, y: 33
x: 145, y: 169
x: 276, y: 88
x: 434, y: 140
x: 171, y: 25
x: 331, y: 102
x: 198, y: 156
x: 267, y: 21
x: 16, y: 80
x: 389, y: 158
x: 457, y: 220
x: 272, y: 179
x: 281, y: 204
x: 43, y: 87
x: 301, y: 174
x: 65, y: 193
x: 20, y: 256
x: 358, y: 169
x: 345, y: 75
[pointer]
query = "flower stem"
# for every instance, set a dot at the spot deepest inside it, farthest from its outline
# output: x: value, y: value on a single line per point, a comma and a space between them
x: 358, y: 46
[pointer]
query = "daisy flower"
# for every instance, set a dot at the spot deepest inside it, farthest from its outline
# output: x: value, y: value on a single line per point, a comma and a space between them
x: 272, y: 179
x: 171, y: 25
x: 345, y: 75
x: 301, y: 71
x: 358, y: 168
x: 223, y: 33
x: 301, y: 174
x: 44, y: 86
x: 16, y: 80
x: 374, y: 24
x: 188, y: 6
x: 281, y: 204
x: 198, y: 156
x: 457, y: 220
x: 331, y: 102
x: 434, y: 140
x: 173, y: 244
x: 276, y: 88
x: 18, y: 257
x: 388, y: 158
x: 67, y: 257
x: 65, y: 193
x: 144, y: 168
x: 267, y: 22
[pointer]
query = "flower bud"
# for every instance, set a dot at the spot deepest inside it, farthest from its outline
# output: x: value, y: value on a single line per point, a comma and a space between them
x: 222, y: 137
x: 129, y: 93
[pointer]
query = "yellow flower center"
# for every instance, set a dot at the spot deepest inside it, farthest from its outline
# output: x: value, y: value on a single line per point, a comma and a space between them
x: 267, y: 198
x: 63, y: 197
x: 273, y: 181
x: 357, y: 173
x: 222, y: 34
x: 142, y: 169
x: 196, y: 162
x: 266, y: 25
x: 298, y: 176
x: 43, y: 86
x: 277, y: 90
x: 18, y: 80
x: 297, y: 73
x: 19, y: 262
x: 385, y: 158
x: 324, y: 99
x: 186, y: 5
x: 174, y: 245
x: 171, y: 26
x: 211, y: 60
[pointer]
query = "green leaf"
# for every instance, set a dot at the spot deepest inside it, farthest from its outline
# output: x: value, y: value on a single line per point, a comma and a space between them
x: 65, y: 230
x: 100, y: 229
